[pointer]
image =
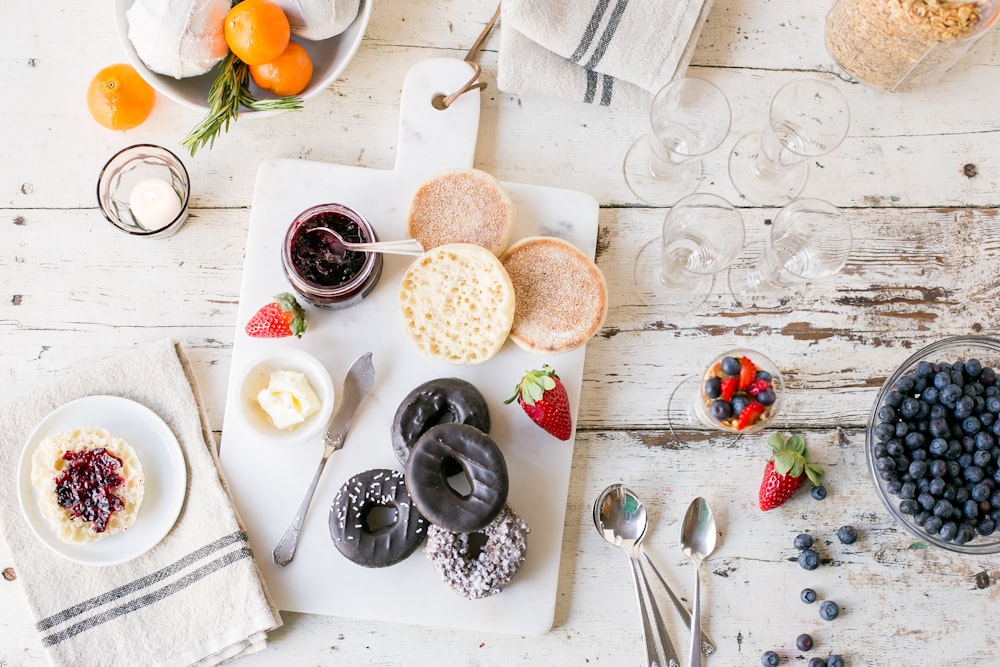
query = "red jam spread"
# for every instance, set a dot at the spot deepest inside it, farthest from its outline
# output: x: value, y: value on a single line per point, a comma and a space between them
x: 319, y: 258
x: 87, y: 483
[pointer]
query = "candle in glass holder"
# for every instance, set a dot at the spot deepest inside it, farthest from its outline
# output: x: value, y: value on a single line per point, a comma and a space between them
x: 154, y: 203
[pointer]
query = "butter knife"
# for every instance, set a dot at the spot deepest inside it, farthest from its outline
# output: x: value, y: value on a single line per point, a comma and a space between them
x: 359, y: 380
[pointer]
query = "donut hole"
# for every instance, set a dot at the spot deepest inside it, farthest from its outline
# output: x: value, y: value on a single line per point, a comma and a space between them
x: 379, y: 517
x: 477, y: 542
x: 456, y: 477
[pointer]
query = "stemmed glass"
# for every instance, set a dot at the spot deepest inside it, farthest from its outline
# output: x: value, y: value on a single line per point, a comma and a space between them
x: 702, y: 235
x: 810, y: 240
x: 808, y: 118
x: 689, y: 118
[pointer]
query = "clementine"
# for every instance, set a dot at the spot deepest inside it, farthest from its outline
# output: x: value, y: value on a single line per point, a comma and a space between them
x: 257, y: 31
x: 118, y: 98
x: 288, y: 74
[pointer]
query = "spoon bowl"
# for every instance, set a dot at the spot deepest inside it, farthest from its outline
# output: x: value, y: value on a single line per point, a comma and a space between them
x: 698, y: 540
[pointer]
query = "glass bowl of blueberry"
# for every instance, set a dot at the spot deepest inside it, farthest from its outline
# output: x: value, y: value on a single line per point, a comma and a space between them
x: 933, y: 444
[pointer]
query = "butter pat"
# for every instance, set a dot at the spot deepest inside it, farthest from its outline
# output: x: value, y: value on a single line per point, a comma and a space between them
x: 288, y: 399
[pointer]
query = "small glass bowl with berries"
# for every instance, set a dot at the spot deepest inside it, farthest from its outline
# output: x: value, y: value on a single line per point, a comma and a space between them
x: 933, y: 444
x: 741, y: 391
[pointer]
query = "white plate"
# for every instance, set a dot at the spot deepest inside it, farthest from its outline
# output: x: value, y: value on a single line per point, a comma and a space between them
x: 162, y: 465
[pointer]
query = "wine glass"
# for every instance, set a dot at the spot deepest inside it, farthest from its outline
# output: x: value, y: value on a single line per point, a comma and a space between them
x: 702, y: 235
x: 810, y: 240
x: 689, y: 118
x: 808, y: 118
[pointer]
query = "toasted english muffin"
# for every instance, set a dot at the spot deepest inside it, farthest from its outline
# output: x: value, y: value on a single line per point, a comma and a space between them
x: 561, y: 296
x: 456, y: 303
x: 461, y: 206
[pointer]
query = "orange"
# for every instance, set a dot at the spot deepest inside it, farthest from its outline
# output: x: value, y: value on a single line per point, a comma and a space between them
x: 257, y: 31
x: 288, y: 74
x: 118, y: 98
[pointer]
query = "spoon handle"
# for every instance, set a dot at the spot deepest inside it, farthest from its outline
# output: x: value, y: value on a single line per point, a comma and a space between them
x: 402, y: 247
x: 694, y: 652
x: 707, y: 645
x: 669, y: 656
x: 653, y: 648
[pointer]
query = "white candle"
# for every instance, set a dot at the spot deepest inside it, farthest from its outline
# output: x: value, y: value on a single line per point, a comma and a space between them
x: 154, y: 203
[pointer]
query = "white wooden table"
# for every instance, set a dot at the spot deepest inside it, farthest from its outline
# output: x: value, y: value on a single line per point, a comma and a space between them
x: 918, y: 177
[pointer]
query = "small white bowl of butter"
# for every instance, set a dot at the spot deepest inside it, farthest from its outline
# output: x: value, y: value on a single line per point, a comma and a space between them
x: 285, y: 397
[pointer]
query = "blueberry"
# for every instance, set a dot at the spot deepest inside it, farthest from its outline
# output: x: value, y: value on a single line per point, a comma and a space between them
x: 943, y: 509
x: 941, y: 380
x: 905, y: 384
x: 883, y: 431
x: 973, y: 473
x: 950, y: 395
x: 964, y: 407
x: 938, y: 468
x: 981, y: 458
x: 986, y: 527
x: 938, y: 446
x: 948, y: 531
x: 893, y: 398
x: 980, y: 492
x: 763, y: 375
x: 973, y: 367
x: 738, y: 404
x: 909, y: 408
x: 819, y: 492
x: 816, y: 662
x: 887, y: 413
x: 769, y: 658
x: 804, y: 642
x: 834, y: 661
x: 808, y: 595
x: 847, y: 534
x: 713, y: 387
x: 917, y: 469
x: 971, y: 425
x: 808, y: 559
x: 803, y: 541
x: 930, y: 395
x: 933, y: 524
x: 939, y: 427
x: 721, y: 409
x: 828, y: 610
x: 909, y: 506
x: 993, y: 404
x: 731, y: 366
x: 937, y: 486
x: 767, y: 396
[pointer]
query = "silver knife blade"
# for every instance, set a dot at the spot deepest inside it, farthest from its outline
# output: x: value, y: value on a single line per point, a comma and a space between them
x: 360, y: 378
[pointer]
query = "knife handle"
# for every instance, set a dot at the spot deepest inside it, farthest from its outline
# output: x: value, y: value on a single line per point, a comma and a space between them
x: 284, y: 550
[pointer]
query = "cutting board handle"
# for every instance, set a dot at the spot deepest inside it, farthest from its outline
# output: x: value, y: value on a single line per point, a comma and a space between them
x: 430, y: 139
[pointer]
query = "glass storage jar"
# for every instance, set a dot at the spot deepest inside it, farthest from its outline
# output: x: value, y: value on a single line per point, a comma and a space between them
x: 903, y: 45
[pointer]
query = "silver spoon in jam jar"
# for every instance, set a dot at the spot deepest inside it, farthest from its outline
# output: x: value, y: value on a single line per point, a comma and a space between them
x: 402, y: 247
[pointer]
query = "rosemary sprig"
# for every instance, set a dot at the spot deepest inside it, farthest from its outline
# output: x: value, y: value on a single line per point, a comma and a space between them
x: 229, y: 92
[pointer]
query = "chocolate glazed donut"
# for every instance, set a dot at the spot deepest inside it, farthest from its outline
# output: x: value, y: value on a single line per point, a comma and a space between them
x: 349, y: 514
x: 481, y: 461
x: 436, y: 402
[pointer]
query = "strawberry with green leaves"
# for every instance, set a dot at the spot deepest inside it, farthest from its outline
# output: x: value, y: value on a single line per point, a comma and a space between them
x: 543, y: 398
x: 282, y: 317
x: 786, y: 471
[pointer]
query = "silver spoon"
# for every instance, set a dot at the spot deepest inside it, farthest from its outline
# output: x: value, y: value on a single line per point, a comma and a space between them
x: 698, y: 540
x: 621, y: 521
x: 401, y: 247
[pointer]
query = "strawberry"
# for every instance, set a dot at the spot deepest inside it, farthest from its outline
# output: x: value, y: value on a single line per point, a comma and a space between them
x: 542, y: 396
x: 758, y: 386
x: 749, y: 415
x: 282, y: 317
x: 729, y: 388
x: 786, y: 471
x: 748, y: 373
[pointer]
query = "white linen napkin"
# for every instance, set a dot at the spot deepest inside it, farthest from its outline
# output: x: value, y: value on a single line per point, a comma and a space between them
x: 608, y: 52
x: 195, y: 598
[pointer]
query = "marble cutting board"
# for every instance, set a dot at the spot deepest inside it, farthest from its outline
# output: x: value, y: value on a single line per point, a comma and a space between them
x: 268, y: 483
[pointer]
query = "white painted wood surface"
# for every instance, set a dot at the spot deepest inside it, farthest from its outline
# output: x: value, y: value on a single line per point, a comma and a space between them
x: 925, y: 266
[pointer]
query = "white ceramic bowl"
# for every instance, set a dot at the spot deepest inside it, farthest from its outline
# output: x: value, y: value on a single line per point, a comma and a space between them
x: 329, y: 57
x: 256, y: 376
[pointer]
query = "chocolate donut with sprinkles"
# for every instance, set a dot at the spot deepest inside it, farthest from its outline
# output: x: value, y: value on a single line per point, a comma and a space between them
x: 440, y: 401
x: 480, y: 460
x: 380, y: 539
x: 480, y: 564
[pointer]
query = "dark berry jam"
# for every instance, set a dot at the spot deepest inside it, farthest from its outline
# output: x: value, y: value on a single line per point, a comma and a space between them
x: 319, y: 258
x: 87, y: 483
x: 319, y: 268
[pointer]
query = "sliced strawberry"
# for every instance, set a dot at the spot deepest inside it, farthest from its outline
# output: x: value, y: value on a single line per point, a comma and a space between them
x: 748, y: 372
x: 729, y: 388
x: 758, y: 386
x: 749, y: 415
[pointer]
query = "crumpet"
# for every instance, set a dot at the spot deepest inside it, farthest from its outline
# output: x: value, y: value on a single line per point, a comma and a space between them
x: 461, y: 206
x: 456, y: 303
x: 561, y: 296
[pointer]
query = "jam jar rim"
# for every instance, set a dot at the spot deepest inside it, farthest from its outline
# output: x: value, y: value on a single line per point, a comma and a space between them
x: 347, y: 289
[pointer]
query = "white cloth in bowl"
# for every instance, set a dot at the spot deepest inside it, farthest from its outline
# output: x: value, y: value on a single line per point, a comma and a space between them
x: 195, y: 598
x: 319, y: 19
x: 607, y: 52
x: 178, y: 38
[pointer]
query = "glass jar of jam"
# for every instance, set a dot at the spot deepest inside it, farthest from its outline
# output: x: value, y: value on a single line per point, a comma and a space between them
x: 319, y: 268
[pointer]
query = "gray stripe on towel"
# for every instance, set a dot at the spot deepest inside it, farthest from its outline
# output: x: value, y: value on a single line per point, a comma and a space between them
x: 591, y: 93
x: 608, y: 34
x: 149, y: 598
x: 609, y: 84
x: 139, y: 584
x: 590, y: 30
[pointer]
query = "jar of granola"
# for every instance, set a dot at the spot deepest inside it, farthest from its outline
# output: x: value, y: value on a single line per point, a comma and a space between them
x: 903, y: 45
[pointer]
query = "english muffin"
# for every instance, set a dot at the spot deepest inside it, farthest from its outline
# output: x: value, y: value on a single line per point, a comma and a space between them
x: 461, y: 206
x: 456, y: 303
x: 561, y: 296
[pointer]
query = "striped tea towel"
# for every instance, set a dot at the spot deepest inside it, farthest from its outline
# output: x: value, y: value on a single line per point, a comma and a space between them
x: 196, y: 597
x: 608, y: 52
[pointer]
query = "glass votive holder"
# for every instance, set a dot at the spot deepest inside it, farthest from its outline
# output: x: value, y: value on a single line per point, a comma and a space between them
x: 144, y: 190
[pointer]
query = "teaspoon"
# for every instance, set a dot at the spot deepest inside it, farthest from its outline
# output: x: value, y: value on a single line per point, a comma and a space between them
x: 621, y: 520
x: 402, y: 247
x: 698, y: 540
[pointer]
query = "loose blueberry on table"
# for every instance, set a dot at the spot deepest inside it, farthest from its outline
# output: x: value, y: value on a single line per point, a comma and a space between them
x: 829, y: 610
x: 808, y: 559
x: 803, y: 541
x: 817, y: 662
x: 804, y: 642
x: 808, y: 595
x: 819, y: 492
x: 769, y: 659
x: 847, y: 534
x: 834, y: 661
